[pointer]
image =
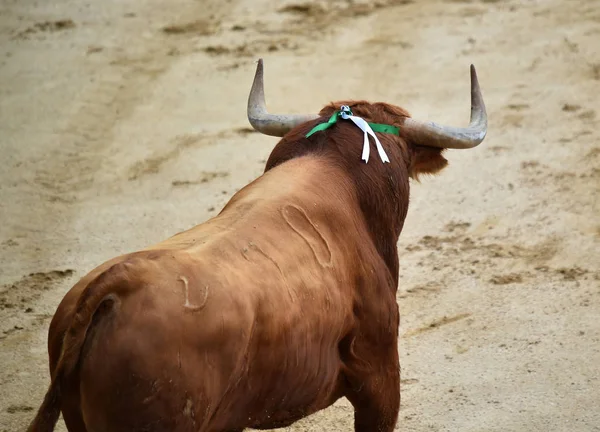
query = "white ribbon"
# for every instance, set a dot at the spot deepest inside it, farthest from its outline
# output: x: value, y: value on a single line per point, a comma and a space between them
x: 364, y: 126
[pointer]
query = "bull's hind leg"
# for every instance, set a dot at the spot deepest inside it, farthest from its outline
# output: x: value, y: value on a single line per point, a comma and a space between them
x: 376, y: 404
x: 374, y: 391
x: 74, y: 421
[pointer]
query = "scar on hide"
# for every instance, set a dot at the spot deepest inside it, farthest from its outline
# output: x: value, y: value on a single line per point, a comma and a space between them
x: 186, y: 291
x: 299, y: 221
x: 187, y: 410
x: 244, y: 252
x: 263, y: 253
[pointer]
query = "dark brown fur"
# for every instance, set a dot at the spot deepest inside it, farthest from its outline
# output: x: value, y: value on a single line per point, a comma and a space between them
x: 269, y: 312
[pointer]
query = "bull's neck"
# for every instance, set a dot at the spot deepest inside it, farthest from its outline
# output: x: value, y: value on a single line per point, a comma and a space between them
x: 384, y: 218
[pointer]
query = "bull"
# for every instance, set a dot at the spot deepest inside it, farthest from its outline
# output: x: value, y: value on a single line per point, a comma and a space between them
x: 272, y: 310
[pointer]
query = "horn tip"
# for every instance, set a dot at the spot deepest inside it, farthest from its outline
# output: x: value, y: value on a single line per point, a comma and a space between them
x: 474, y: 81
x: 473, y: 71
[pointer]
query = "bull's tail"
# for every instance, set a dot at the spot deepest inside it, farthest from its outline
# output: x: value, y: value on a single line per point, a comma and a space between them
x: 98, y: 292
x: 49, y: 411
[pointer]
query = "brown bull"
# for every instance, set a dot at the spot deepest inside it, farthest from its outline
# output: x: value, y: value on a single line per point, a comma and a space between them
x: 270, y: 311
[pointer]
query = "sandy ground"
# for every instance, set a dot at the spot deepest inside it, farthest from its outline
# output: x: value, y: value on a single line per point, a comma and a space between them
x: 123, y: 122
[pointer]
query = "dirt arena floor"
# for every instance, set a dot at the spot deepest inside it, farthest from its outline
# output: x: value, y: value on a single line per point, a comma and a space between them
x: 124, y: 122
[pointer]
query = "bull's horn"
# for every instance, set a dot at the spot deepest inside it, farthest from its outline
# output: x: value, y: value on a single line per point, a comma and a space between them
x: 434, y: 135
x: 269, y: 124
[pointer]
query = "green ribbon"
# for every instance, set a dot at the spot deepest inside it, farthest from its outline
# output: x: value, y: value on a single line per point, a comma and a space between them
x: 323, y: 126
x: 377, y: 127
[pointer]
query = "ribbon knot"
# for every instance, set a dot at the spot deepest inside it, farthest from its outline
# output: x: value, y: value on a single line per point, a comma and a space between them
x: 368, y: 130
x: 346, y: 114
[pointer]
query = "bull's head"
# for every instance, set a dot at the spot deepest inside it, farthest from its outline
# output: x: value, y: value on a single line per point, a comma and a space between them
x: 428, y: 134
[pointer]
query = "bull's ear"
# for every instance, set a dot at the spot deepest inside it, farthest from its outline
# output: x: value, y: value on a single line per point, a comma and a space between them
x: 426, y: 160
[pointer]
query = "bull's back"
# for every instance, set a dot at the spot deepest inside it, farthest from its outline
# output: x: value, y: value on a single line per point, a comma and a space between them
x: 225, y: 322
